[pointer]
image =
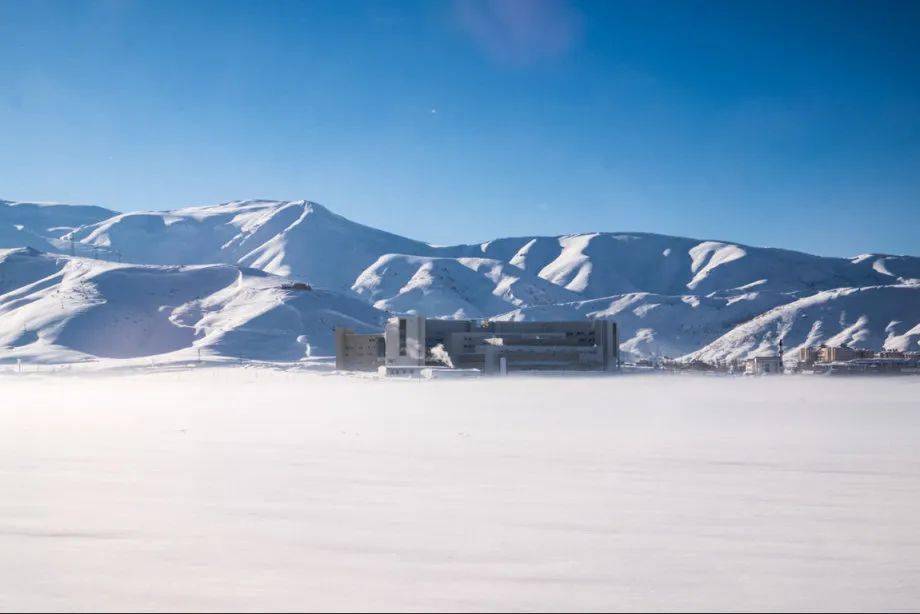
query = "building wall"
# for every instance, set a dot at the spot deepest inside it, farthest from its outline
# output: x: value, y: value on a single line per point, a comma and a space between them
x: 764, y: 365
x: 579, y: 345
x: 837, y: 354
x: 599, y: 333
x: 405, y: 341
x: 438, y: 332
x: 358, y: 352
x: 541, y: 358
x: 808, y: 355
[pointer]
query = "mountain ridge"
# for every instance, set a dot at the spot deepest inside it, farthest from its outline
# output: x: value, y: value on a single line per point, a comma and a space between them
x: 674, y: 296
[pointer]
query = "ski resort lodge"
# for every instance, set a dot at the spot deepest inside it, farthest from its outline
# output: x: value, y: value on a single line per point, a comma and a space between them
x: 412, y: 343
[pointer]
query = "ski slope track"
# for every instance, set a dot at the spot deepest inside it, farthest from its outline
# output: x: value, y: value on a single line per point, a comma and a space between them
x: 85, y: 283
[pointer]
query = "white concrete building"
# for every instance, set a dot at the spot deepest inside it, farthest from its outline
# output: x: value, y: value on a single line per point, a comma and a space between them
x: 763, y: 365
x: 405, y: 341
x: 358, y: 352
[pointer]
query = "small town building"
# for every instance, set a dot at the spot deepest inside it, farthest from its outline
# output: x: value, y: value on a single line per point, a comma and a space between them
x: 839, y: 353
x: 809, y: 355
x: 870, y: 366
x: 763, y: 365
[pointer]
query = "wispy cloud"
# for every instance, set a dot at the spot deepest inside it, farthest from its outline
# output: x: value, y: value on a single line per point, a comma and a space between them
x: 520, y: 32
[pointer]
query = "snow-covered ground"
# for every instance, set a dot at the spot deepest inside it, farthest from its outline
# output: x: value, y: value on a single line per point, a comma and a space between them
x: 250, y: 489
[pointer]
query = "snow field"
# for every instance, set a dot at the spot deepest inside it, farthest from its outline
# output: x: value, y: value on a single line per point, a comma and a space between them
x: 251, y: 489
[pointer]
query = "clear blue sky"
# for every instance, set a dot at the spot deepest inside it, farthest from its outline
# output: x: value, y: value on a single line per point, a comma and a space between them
x: 790, y: 124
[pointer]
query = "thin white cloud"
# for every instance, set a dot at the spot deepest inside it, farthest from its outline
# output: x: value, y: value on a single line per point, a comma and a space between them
x: 520, y: 32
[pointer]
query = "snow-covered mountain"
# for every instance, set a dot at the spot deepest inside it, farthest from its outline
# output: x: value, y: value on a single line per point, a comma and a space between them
x: 605, y: 264
x: 298, y: 238
x: 50, y: 219
x: 873, y: 317
x: 662, y: 325
x: 210, y: 277
x: 57, y: 308
x: 453, y: 287
x: 41, y: 225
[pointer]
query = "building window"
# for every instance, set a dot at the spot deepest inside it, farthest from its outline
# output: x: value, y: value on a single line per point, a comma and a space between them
x: 402, y: 337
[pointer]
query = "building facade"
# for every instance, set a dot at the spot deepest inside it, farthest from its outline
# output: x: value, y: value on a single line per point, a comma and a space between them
x: 809, y: 355
x: 358, y: 352
x: 763, y: 365
x: 405, y: 341
x: 828, y: 353
x: 499, y: 347
x: 489, y: 346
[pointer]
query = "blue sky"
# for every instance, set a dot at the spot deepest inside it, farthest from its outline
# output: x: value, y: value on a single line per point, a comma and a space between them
x: 788, y: 124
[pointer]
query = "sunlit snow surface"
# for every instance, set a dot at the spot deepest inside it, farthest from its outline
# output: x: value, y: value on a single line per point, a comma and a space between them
x: 251, y: 489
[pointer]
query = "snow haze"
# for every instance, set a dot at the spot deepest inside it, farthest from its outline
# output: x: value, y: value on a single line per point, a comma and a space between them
x: 253, y: 489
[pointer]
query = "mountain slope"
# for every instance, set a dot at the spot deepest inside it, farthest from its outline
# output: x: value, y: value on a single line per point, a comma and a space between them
x: 40, y: 225
x: 596, y: 265
x: 50, y: 219
x: 298, y: 238
x: 661, y: 325
x: 12, y: 236
x: 65, y: 308
x: 453, y: 287
x: 305, y: 240
x: 873, y: 318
